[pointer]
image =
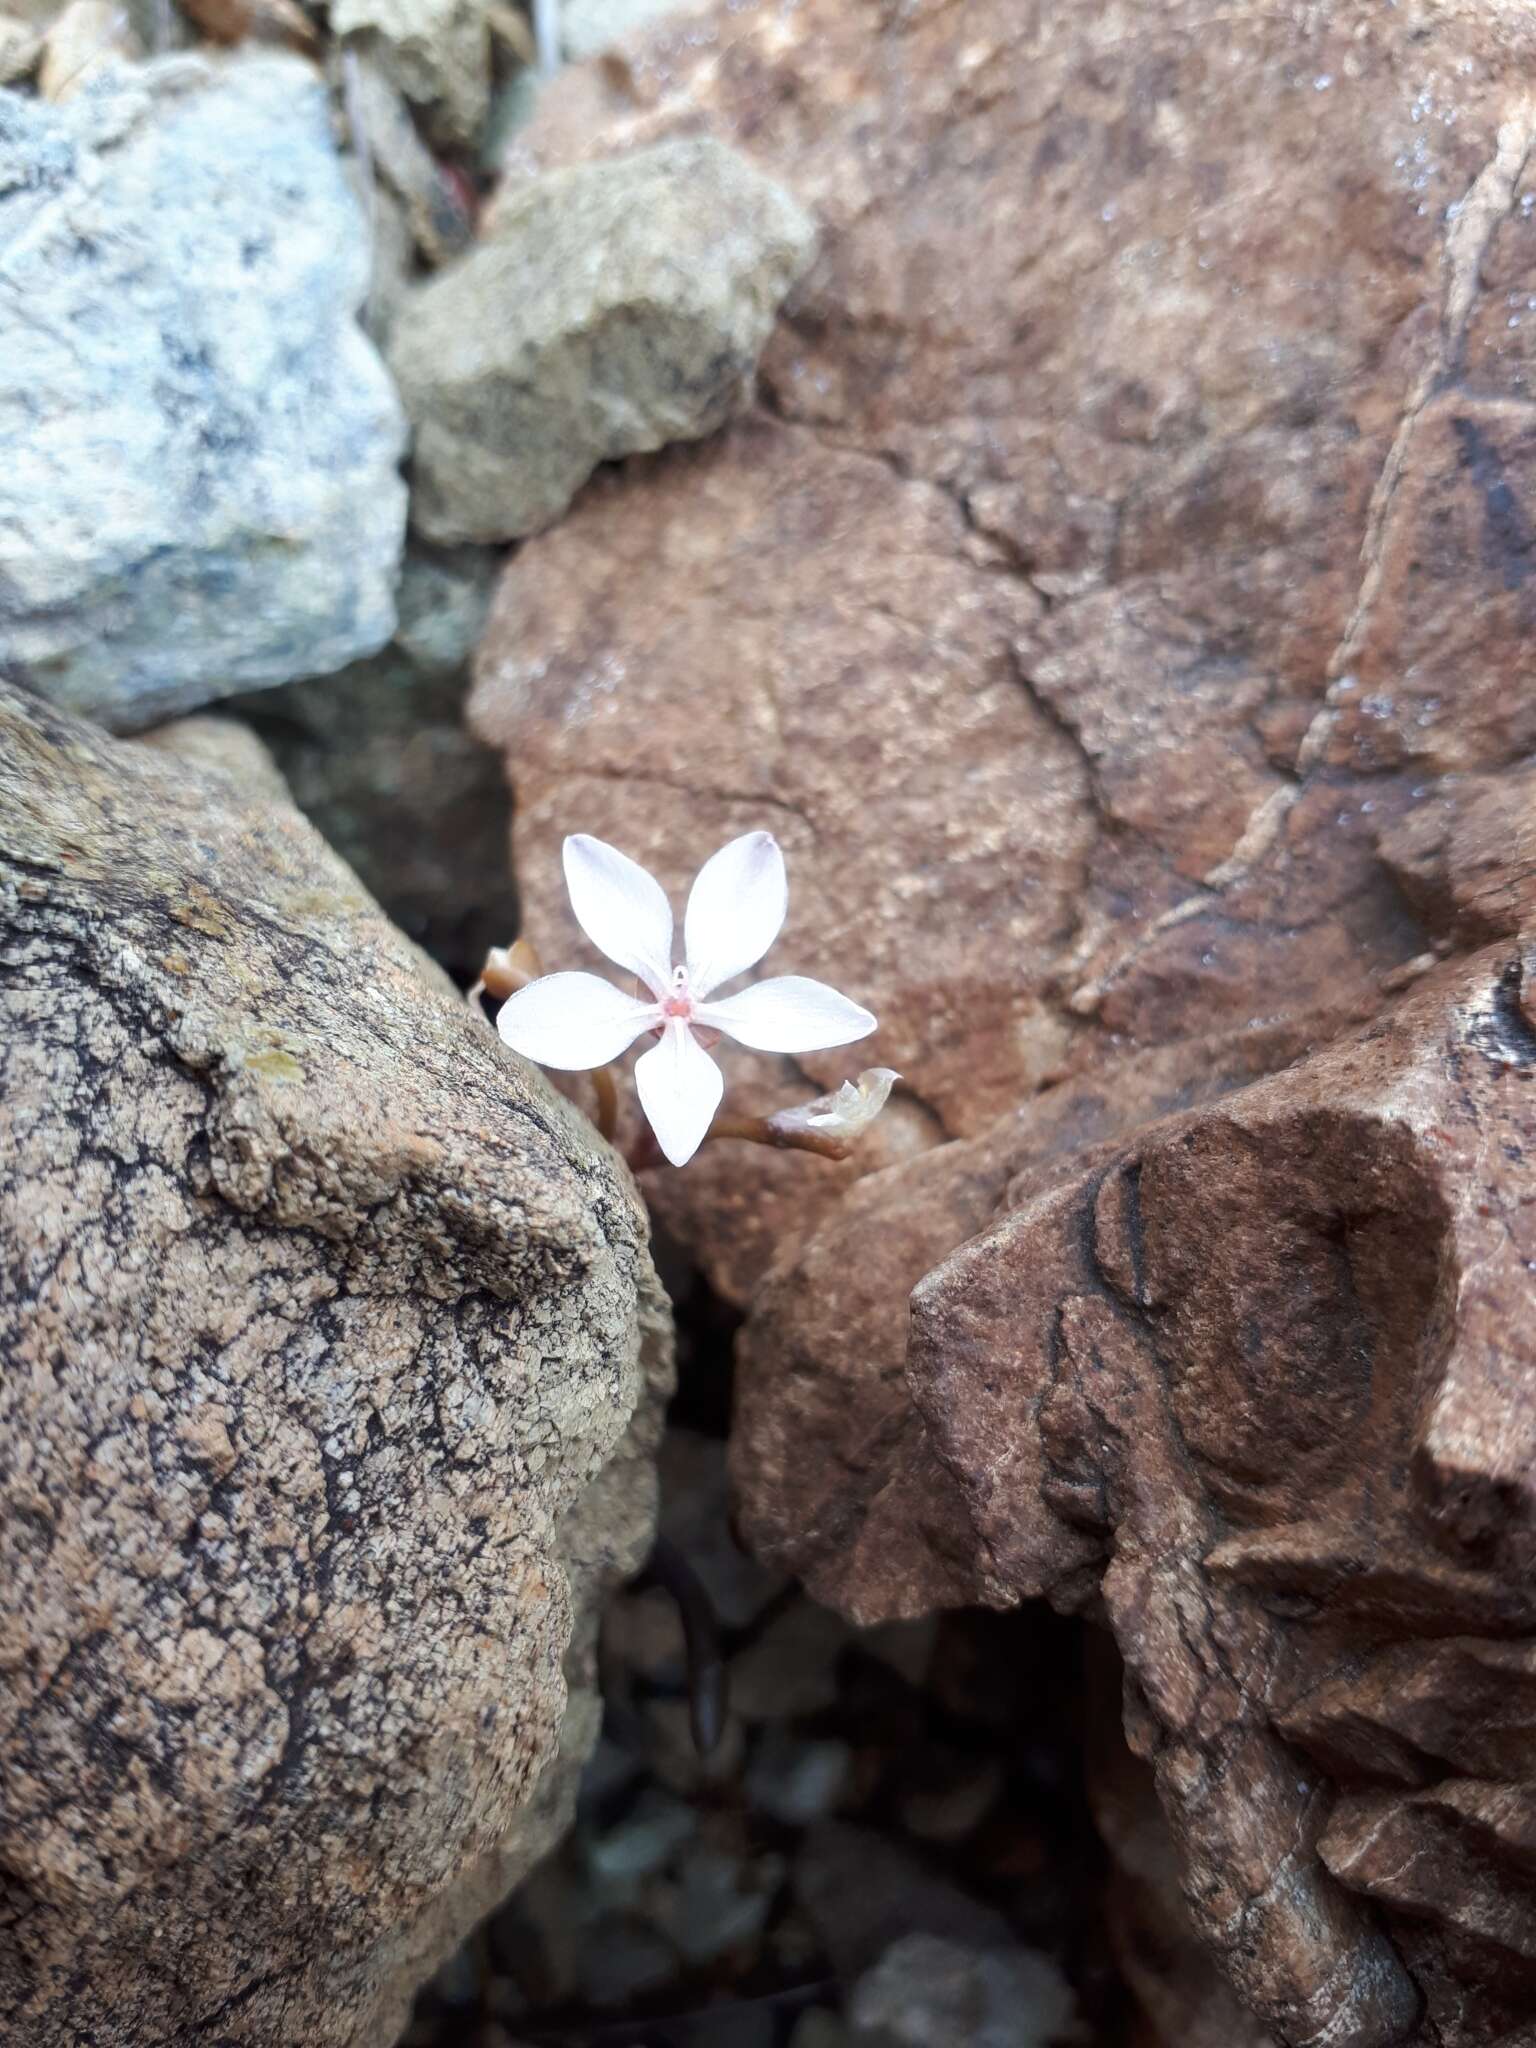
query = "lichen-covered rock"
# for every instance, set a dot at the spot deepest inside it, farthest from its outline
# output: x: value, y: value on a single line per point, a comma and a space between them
x: 606, y: 309
x: 379, y: 759
x: 201, y: 489
x: 332, y: 1355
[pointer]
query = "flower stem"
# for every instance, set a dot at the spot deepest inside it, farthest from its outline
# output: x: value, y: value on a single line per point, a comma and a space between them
x: 607, y: 1118
x: 759, y: 1130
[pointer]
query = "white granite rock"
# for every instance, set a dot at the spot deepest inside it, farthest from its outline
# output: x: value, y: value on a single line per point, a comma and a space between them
x: 199, y: 487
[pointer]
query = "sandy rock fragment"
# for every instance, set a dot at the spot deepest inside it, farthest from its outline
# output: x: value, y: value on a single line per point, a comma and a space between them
x: 202, y: 493
x: 436, y: 52
x: 414, y: 207
x: 333, y: 1358
x: 21, y: 49
x: 89, y: 37
x: 606, y: 309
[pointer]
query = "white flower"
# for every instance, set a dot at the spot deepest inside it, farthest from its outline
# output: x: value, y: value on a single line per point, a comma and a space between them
x: 735, y: 908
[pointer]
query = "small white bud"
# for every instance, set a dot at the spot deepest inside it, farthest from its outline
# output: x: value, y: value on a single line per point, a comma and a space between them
x: 845, y: 1112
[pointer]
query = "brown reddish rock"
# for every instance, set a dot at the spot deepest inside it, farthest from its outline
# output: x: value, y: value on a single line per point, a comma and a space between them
x: 1120, y: 606
x: 332, y: 1361
x: 1107, y: 460
x: 1258, y: 1386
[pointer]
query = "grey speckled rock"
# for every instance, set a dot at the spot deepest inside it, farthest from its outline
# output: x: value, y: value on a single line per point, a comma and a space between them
x: 199, y: 488
x: 609, y: 308
x: 926, y: 1992
x: 332, y: 1367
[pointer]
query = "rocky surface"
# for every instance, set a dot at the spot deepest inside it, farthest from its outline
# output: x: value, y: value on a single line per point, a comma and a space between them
x: 1119, y: 605
x: 379, y: 760
x: 1258, y: 1382
x: 588, y: 26
x: 201, y: 493
x: 605, y: 309
x: 913, y: 1782
x: 333, y: 1359
x: 926, y: 1992
x: 436, y: 52
x: 1078, y: 457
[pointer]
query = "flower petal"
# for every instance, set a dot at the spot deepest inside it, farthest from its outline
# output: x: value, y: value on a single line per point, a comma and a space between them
x: 680, y: 1089
x: 790, y: 1013
x: 572, y: 1021
x: 735, y: 909
x: 622, y: 909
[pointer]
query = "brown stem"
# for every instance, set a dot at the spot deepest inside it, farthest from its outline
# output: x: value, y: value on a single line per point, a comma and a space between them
x: 760, y: 1130
x: 645, y: 1153
x: 607, y: 1102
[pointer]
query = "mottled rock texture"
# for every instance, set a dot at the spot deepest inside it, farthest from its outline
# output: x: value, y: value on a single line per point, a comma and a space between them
x: 587, y: 26
x: 1121, y: 604
x: 436, y: 52
x: 201, y: 490
x: 605, y: 308
x: 331, y: 1359
x: 1259, y: 1385
x: 379, y: 759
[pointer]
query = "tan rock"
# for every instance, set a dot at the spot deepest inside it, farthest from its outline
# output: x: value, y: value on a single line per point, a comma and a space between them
x: 436, y: 52
x: 21, y: 48
x: 87, y: 36
x: 332, y: 1363
x: 605, y: 309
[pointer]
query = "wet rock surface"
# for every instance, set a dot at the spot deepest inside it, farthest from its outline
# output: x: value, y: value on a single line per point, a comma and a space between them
x: 1117, y: 604
x: 333, y: 1364
x: 201, y: 492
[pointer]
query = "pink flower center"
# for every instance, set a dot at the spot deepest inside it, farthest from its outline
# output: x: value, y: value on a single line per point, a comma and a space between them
x: 678, y: 1003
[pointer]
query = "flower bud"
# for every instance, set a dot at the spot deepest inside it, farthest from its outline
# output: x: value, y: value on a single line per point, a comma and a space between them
x: 845, y: 1112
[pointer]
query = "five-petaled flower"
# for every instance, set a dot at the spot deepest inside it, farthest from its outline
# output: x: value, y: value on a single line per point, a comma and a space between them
x: 573, y: 1021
